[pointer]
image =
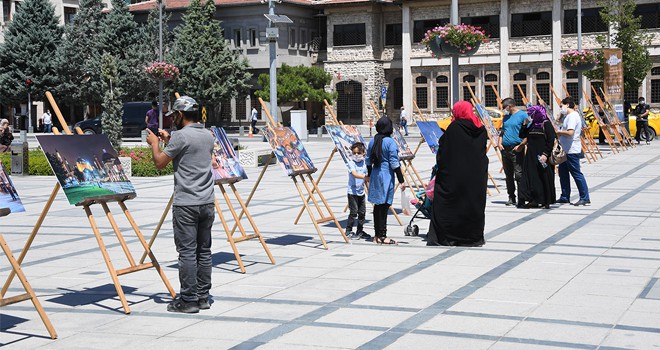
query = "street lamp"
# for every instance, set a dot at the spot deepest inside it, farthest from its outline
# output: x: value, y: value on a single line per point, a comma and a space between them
x: 272, y: 34
x: 160, y: 59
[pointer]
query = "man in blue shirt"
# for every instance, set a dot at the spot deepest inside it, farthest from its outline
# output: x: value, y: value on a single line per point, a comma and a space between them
x: 511, y: 148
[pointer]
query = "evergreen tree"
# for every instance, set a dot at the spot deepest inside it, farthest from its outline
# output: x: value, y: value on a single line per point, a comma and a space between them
x: 81, y: 54
x: 297, y: 84
x: 111, y: 121
x: 151, y: 29
x: 30, y: 52
x: 210, y: 72
x: 123, y: 38
x: 628, y: 36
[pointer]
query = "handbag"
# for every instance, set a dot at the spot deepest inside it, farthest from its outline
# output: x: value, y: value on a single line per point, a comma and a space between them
x: 558, y: 155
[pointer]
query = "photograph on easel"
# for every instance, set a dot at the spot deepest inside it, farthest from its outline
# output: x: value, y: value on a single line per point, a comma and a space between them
x: 289, y: 150
x: 226, y: 165
x: 404, y: 151
x: 344, y: 136
x: 87, y: 167
x: 9, y: 198
x: 482, y: 113
x: 431, y: 132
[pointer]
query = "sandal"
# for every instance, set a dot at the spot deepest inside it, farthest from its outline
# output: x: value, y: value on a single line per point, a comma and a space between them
x: 381, y: 240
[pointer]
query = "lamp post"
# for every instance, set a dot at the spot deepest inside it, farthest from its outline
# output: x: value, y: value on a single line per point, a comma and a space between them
x: 454, y: 58
x: 160, y: 59
x: 272, y: 34
x: 579, y: 47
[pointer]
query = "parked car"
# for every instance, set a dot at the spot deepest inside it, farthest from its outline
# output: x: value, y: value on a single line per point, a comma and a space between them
x: 495, y: 114
x: 654, y: 124
x: 132, y: 120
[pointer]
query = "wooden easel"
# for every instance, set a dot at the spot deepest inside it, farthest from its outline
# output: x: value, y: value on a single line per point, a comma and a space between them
x: 615, y: 124
x: 589, y: 147
x: 335, y: 121
x: 114, y: 273
x: 618, y: 122
x: 410, y: 173
x: 492, y: 143
x: 29, y: 292
x: 603, y: 126
x: 308, y: 183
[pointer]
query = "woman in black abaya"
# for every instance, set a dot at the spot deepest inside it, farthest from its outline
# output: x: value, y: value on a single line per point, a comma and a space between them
x: 459, y: 201
x: 537, y: 186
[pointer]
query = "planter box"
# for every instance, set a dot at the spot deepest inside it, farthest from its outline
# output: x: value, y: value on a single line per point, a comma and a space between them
x: 253, y: 158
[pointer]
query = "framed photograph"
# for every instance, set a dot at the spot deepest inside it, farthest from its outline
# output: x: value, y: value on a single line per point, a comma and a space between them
x: 404, y: 151
x: 289, y: 150
x: 431, y: 132
x: 10, y: 202
x: 226, y: 165
x: 344, y: 136
x: 87, y: 168
x: 482, y: 113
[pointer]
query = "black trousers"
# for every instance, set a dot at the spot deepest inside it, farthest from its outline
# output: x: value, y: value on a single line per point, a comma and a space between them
x: 642, y: 124
x: 512, y: 162
x: 380, y: 219
x: 357, y: 210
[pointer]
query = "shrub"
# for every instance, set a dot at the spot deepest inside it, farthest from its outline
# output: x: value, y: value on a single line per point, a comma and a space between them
x: 38, y: 163
x: 142, y: 164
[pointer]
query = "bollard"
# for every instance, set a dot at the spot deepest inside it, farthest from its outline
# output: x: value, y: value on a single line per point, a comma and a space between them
x: 20, y: 161
x: 241, y: 131
x: 319, y: 132
x: 143, y: 136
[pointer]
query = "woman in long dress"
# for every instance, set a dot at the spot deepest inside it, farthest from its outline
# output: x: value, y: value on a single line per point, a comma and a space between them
x: 382, y: 165
x: 459, y: 201
x: 537, y: 186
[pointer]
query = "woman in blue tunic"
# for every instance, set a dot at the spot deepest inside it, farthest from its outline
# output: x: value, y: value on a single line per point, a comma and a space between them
x: 382, y: 164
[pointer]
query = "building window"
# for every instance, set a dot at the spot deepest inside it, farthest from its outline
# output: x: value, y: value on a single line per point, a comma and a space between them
x: 571, y: 74
x: 543, y: 86
x: 292, y: 38
x: 237, y: 38
x: 422, y: 92
x: 303, y: 38
x: 489, y: 24
x: 420, y: 27
x: 531, y: 24
x: 69, y: 15
x: 519, y: 77
x: 631, y: 95
x: 650, y: 15
x: 572, y: 89
x: 442, y: 79
x: 467, y: 96
x: 490, y: 98
x: 252, y: 36
x: 655, y: 85
x: 6, y: 8
x: 517, y: 95
x: 397, y: 91
x: 393, y: 33
x: 442, y: 92
x: 349, y: 34
x: 591, y: 21
x: 598, y: 86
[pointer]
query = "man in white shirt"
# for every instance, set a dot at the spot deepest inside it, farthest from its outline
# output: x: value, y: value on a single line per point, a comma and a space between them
x: 48, y: 121
x: 569, y: 137
x: 253, y: 120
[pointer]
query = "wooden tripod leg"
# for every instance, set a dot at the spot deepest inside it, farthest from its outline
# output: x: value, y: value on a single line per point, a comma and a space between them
x: 26, y: 285
x: 585, y: 149
x: 421, y: 180
x: 254, y: 226
x: 309, y: 211
x: 147, y: 249
x: 318, y: 180
x: 232, y: 211
x: 108, y: 262
x: 327, y: 207
x: 160, y: 224
x: 120, y: 237
x: 230, y: 236
x: 494, y: 184
x: 311, y: 194
x: 31, y: 237
x: 254, y: 189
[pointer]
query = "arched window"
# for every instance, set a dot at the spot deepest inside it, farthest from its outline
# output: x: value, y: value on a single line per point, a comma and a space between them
x: 397, y: 92
x: 422, y: 92
x: 469, y: 78
x: 655, y: 85
x: 490, y: 77
x: 543, y: 86
x: 519, y: 77
x: 442, y: 92
x: 349, y: 102
x: 543, y: 76
x: 571, y: 75
x: 466, y: 92
x: 655, y: 71
x: 490, y: 98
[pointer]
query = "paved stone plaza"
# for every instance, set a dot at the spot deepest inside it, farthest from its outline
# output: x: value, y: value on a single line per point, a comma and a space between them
x: 565, y: 278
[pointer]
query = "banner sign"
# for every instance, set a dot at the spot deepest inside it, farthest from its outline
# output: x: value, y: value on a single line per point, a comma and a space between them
x: 613, y: 78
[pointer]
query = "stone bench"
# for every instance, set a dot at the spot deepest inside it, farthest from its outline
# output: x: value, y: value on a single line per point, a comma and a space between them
x: 253, y: 158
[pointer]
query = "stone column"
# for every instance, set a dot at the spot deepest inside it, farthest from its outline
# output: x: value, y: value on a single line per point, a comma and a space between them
x: 406, y: 48
x: 556, y: 52
x: 505, y: 81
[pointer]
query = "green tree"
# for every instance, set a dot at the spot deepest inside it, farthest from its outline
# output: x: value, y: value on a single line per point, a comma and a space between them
x: 151, y: 29
x: 298, y: 84
x: 111, y: 121
x: 210, y: 72
x: 30, y: 51
x: 81, y: 50
x: 123, y: 38
x: 628, y: 36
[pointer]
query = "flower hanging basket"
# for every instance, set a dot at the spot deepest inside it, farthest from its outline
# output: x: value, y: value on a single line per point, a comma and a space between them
x: 162, y: 71
x: 579, y: 61
x: 454, y: 40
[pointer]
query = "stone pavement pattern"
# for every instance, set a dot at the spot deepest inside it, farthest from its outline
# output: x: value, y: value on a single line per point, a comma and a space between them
x: 565, y: 278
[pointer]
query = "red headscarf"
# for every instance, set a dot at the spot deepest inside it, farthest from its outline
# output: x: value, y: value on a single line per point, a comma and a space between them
x: 463, y: 110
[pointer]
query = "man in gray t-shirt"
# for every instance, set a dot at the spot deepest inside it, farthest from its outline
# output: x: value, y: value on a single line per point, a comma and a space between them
x: 189, y: 149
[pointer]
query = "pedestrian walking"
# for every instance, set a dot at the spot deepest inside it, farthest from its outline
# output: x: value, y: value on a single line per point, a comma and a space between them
x: 511, y: 148
x: 538, y: 175
x: 151, y: 119
x: 189, y: 149
x: 253, y: 121
x: 47, y: 121
x: 403, y: 120
x: 569, y: 137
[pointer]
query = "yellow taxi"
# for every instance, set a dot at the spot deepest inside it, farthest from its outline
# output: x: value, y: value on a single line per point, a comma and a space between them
x: 654, y: 124
x: 495, y: 114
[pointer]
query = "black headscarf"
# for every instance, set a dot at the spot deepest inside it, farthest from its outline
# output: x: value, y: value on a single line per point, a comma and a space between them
x: 384, y: 127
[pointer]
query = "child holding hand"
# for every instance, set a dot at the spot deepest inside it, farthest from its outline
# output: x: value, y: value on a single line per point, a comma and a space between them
x: 357, y: 176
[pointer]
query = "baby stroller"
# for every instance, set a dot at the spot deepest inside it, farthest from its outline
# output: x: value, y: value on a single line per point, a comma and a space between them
x: 423, y: 202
